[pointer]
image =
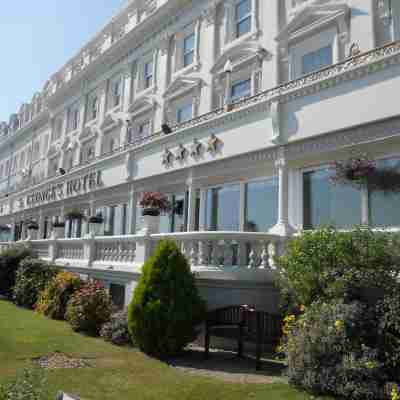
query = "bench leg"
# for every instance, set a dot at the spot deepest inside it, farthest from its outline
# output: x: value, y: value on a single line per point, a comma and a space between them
x: 240, y: 342
x: 258, y: 345
x: 207, y: 343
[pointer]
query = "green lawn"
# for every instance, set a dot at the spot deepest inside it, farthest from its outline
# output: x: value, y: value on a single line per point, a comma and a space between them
x: 120, y: 373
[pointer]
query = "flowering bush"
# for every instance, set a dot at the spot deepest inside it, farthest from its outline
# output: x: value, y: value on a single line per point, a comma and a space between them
x: 32, y: 277
x: 89, y: 308
x: 53, y: 300
x: 156, y: 201
x: 333, y: 349
x: 116, y: 331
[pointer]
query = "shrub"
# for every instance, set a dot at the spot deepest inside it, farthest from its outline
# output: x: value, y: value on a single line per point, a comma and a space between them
x: 116, y: 330
x: 166, y: 306
x: 53, y: 300
x: 389, y: 331
x: 30, y: 384
x: 32, y: 277
x: 327, y: 264
x: 9, y: 263
x: 332, y: 349
x: 89, y: 308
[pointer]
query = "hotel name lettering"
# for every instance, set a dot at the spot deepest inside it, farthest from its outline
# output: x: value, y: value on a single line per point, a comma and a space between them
x: 60, y: 191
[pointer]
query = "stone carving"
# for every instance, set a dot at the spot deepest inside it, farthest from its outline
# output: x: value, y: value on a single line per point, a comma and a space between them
x: 181, y: 153
x: 196, y: 148
x: 167, y: 158
x: 213, y: 144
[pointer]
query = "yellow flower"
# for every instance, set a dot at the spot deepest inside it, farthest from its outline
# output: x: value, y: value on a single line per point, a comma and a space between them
x: 394, y: 393
x: 339, y: 325
x: 302, y: 308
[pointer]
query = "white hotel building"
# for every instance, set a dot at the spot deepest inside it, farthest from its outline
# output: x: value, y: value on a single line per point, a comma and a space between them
x: 260, y: 97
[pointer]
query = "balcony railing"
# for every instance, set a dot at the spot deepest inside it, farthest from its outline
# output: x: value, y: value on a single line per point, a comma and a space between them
x: 216, y: 251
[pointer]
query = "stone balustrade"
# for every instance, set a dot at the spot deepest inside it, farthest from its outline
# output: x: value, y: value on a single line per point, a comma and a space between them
x: 204, y: 250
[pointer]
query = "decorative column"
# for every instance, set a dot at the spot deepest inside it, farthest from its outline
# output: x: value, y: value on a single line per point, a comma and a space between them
x: 283, y: 227
x: 40, y: 223
x: 191, y: 222
x: 133, y: 198
x: 102, y: 114
x: 203, y: 210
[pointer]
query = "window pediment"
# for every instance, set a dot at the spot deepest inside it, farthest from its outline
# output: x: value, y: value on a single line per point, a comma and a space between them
x: 181, y: 85
x: 316, y: 14
x: 240, y: 53
x: 142, y: 104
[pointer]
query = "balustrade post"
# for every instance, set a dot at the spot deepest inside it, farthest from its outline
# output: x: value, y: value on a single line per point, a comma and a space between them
x: 53, y: 249
x: 89, y: 248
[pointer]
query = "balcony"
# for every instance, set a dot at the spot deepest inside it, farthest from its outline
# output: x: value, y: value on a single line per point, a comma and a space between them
x: 223, y: 255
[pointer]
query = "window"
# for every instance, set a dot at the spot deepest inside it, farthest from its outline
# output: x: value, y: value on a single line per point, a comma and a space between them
x: 243, y: 18
x: 261, y: 212
x: 144, y: 130
x: 327, y: 204
x: 223, y: 208
x: 93, y: 106
x: 317, y: 60
x: 148, y: 74
x: 73, y: 118
x: 241, y: 89
x: 184, y: 113
x: 116, y: 93
x: 188, y: 49
x: 384, y: 207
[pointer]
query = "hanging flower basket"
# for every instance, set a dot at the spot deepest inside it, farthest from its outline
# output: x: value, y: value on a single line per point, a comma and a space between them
x: 362, y: 172
x: 75, y: 214
x: 96, y: 219
x: 154, y: 203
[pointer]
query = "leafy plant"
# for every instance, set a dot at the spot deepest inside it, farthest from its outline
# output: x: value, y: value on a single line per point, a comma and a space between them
x: 75, y: 213
x: 327, y: 264
x: 30, y: 384
x: 116, y: 330
x: 53, y: 300
x: 32, y: 277
x: 10, y: 260
x: 166, y: 306
x: 89, y: 308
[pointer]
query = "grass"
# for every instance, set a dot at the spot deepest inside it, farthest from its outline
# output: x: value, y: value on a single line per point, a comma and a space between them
x: 120, y: 373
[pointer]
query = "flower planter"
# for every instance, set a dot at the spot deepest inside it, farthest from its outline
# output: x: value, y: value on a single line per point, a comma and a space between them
x: 151, y: 212
x: 150, y: 224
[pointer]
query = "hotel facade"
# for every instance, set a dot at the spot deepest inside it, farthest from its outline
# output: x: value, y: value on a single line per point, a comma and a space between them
x: 235, y: 109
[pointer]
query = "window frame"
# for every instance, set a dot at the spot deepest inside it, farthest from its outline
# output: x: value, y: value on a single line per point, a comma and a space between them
x: 241, y: 19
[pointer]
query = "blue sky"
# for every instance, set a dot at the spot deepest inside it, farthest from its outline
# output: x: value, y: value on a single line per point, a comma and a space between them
x: 37, y: 37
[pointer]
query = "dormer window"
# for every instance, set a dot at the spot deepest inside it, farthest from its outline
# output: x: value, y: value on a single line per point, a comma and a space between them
x: 243, y: 17
x: 317, y: 60
x: 188, y: 49
x: 148, y: 74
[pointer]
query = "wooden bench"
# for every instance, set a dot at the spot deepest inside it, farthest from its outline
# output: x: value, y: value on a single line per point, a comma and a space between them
x: 253, y: 325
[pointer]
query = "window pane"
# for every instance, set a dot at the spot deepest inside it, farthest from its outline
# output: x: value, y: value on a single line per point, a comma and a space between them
x: 317, y: 60
x: 261, y: 205
x: 148, y: 74
x: 223, y: 208
x: 188, y: 59
x: 241, y: 89
x: 185, y: 113
x: 243, y: 9
x: 329, y: 204
x: 384, y: 207
x: 243, y: 27
x: 188, y: 44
